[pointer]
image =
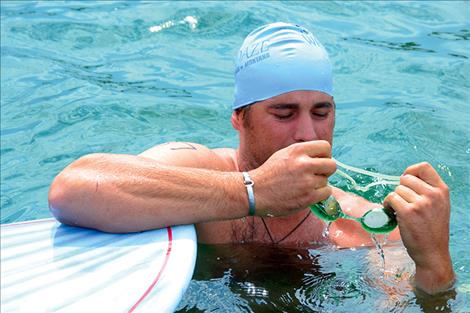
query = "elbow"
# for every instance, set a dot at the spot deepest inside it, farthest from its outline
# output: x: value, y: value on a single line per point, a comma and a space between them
x: 74, y: 199
x: 64, y: 192
x: 59, y: 203
x: 82, y: 195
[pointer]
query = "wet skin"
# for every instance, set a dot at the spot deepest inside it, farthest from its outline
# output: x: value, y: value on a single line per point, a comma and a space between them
x: 285, y: 144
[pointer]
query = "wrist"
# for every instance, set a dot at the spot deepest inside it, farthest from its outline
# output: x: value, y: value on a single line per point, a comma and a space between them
x: 232, y: 202
x: 262, y: 195
x: 435, y: 278
x: 249, y: 185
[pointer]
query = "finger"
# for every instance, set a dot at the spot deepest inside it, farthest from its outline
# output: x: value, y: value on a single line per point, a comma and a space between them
x: 320, y: 181
x: 322, y: 166
x: 426, y: 172
x: 321, y: 194
x: 396, y: 202
x: 408, y: 194
x: 416, y: 184
x: 315, y: 149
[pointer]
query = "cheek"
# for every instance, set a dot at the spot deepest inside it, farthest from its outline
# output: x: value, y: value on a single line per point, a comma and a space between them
x: 279, y: 136
x: 264, y: 141
x: 324, y: 131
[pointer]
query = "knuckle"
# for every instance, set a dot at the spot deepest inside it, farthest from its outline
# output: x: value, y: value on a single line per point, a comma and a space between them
x: 426, y: 203
x: 295, y: 148
x: 445, y: 190
x: 287, y: 153
x: 393, y: 195
x: 300, y: 148
x: 301, y: 163
x: 399, y: 189
x: 426, y: 165
x: 442, y: 193
x: 404, y: 179
x: 429, y: 191
x: 412, y: 208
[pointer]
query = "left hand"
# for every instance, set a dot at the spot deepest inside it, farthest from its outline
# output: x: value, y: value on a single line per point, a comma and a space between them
x: 422, y: 205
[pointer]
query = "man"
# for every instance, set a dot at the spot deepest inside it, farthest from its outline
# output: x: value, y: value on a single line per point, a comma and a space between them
x: 285, y: 114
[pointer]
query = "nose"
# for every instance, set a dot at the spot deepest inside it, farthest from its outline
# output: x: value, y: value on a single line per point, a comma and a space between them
x: 305, y: 129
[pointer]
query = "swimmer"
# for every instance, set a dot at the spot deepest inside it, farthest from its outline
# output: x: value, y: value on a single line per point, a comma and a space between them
x: 284, y: 112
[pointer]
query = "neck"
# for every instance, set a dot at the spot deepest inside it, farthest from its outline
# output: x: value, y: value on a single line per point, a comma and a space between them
x: 245, y: 161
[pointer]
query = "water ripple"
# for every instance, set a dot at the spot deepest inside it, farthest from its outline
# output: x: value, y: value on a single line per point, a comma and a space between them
x: 405, y: 46
x: 462, y: 34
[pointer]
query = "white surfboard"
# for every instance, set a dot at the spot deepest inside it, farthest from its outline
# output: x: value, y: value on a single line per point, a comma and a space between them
x: 50, y: 267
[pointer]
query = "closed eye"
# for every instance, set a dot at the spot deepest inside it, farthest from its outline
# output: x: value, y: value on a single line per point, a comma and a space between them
x: 322, y: 112
x: 283, y: 111
x: 321, y: 115
x: 284, y: 116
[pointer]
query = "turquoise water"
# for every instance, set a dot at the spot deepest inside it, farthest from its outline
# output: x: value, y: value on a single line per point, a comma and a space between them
x: 120, y: 77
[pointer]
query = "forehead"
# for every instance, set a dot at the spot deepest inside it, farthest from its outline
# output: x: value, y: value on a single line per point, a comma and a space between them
x: 299, y: 97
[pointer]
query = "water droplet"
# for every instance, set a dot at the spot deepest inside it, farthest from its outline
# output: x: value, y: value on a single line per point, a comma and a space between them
x: 380, y: 251
x: 326, y: 231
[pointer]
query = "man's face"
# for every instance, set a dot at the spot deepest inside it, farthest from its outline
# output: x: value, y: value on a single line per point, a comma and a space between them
x: 278, y: 122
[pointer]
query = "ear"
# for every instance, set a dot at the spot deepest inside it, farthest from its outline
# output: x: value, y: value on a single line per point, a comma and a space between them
x: 237, y: 121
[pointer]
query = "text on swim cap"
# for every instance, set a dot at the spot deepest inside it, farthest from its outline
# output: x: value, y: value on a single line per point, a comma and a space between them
x: 253, y: 53
x: 253, y: 50
x: 252, y: 61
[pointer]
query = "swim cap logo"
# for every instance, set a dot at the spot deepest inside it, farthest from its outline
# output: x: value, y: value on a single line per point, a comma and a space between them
x: 253, y: 53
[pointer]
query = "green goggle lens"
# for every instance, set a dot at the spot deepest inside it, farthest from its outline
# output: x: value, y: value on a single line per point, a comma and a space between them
x: 378, y: 221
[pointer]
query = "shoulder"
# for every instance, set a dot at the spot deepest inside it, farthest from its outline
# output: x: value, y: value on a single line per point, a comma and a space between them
x: 189, y: 154
x: 229, y: 155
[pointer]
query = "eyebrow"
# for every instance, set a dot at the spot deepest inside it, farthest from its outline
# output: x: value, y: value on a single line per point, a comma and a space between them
x: 321, y: 105
x: 285, y: 106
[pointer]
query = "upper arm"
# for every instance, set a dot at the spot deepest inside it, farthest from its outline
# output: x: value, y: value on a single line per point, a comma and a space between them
x: 187, y: 154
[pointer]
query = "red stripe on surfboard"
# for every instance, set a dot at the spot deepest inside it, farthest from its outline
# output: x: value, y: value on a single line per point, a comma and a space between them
x: 155, y: 281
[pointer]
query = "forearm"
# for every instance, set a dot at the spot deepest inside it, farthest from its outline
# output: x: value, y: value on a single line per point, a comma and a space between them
x: 121, y: 193
x: 422, y: 204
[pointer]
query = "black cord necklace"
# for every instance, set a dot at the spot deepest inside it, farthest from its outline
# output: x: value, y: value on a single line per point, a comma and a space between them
x: 289, y: 233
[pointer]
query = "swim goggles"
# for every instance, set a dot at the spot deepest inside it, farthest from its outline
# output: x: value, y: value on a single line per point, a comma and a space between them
x: 378, y: 221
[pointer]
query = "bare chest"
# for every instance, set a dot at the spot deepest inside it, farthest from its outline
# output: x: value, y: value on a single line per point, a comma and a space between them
x: 304, y: 230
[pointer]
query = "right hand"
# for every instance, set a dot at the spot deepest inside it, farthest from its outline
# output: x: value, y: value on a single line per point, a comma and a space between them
x: 293, y: 178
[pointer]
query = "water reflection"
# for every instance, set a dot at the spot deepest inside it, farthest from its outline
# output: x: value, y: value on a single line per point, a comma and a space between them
x: 257, y: 278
